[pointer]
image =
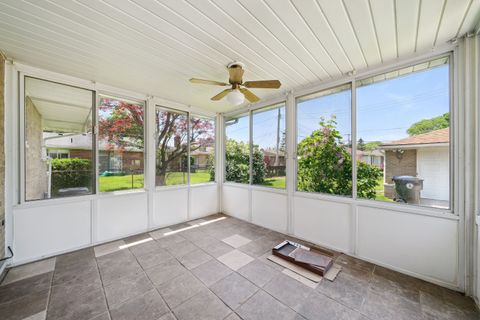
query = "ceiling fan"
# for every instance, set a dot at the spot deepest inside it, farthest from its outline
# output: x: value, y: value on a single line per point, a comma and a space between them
x: 239, y: 89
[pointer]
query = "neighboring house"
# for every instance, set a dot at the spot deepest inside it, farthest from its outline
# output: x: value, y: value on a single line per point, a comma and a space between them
x: 130, y: 159
x: 425, y: 156
x: 269, y: 156
x: 200, y: 157
x: 79, y: 146
x: 373, y: 157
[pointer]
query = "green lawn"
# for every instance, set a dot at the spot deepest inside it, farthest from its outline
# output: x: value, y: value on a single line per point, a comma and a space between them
x: 274, y: 182
x: 115, y: 183
x: 380, y: 192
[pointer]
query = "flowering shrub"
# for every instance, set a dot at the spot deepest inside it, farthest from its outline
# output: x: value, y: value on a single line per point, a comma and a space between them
x: 325, y: 165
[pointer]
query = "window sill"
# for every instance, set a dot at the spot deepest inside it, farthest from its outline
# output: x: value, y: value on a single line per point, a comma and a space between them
x: 121, y: 193
x: 172, y: 187
x: 236, y: 184
x: 54, y: 201
x: 203, y: 184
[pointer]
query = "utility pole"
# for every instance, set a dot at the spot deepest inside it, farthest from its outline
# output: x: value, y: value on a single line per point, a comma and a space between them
x: 277, y: 158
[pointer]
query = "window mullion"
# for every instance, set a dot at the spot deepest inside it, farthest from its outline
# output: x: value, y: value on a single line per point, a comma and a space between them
x: 354, y: 138
x: 250, y: 137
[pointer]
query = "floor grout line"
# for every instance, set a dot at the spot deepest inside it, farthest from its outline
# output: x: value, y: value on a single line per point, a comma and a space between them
x: 235, y: 227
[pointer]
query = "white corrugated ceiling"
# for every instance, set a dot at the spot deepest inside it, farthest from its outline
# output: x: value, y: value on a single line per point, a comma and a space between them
x: 155, y: 46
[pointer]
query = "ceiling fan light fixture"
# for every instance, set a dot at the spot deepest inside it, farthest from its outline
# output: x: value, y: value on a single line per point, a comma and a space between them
x: 235, y: 97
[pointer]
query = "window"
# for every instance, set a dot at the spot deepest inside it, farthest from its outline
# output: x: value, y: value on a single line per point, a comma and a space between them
x: 202, y: 150
x: 171, y: 136
x: 324, y: 161
x: 58, y: 154
x: 237, y: 149
x: 58, y: 122
x: 403, y: 136
x: 269, y: 161
x: 121, y: 144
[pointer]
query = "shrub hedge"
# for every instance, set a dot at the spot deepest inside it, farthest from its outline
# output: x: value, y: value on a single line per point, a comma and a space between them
x: 71, y: 173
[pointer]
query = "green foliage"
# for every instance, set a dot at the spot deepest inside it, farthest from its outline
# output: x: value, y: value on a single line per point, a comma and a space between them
x: 325, y: 165
x: 71, y: 173
x: 361, y: 144
x: 372, y: 145
x: 237, y: 157
x: 211, y: 166
x: 427, y: 125
x: 367, y: 176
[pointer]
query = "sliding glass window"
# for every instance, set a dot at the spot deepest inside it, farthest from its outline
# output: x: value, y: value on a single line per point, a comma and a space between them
x: 171, y: 147
x: 324, y: 163
x: 403, y: 135
x: 237, y: 149
x: 121, y: 144
x: 59, y: 142
x: 202, y: 149
x: 269, y: 161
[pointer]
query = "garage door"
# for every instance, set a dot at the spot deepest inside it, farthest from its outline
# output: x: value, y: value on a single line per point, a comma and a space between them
x: 433, y: 167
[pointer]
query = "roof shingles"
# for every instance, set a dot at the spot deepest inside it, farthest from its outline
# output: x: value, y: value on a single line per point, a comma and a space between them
x: 433, y: 137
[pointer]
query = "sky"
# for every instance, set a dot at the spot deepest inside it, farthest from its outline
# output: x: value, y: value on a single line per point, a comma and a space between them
x: 385, y: 110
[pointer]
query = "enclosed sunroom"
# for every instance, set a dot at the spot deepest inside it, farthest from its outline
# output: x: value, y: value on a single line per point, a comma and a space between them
x: 155, y: 156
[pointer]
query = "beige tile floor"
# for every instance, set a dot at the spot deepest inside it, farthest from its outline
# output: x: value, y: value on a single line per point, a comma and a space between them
x: 213, y: 268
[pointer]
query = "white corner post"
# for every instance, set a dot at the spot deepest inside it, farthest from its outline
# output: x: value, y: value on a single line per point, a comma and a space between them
x: 219, y: 158
x: 291, y: 183
x: 149, y: 174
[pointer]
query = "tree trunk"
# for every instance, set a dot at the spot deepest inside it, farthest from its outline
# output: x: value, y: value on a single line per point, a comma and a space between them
x: 160, y: 178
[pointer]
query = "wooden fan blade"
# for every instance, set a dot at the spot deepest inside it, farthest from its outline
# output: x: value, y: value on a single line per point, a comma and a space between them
x: 221, y: 94
x: 249, y: 95
x: 267, y: 84
x: 236, y: 74
x: 202, y: 81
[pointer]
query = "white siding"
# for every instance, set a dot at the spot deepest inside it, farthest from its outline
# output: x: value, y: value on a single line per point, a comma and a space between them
x: 433, y: 167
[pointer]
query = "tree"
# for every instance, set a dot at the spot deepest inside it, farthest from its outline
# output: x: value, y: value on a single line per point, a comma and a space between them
x: 122, y: 127
x: 372, y: 145
x: 237, y: 157
x: 121, y: 124
x: 361, y: 144
x: 325, y: 165
x: 427, y: 125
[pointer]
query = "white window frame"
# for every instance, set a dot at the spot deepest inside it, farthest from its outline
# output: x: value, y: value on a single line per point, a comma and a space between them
x: 353, y: 148
x: 102, y: 94
x: 214, y: 120
x: 249, y: 115
x: 451, y: 132
x: 61, y: 80
x: 189, y: 128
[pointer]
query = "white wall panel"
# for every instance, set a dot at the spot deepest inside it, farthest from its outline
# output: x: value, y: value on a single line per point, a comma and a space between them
x: 269, y: 209
x: 325, y: 223
x: 203, y: 201
x: 236, y: 201
x: 48, y: 229
x: 424, y: 245
x: 171, y: 206
x: 121, y: 215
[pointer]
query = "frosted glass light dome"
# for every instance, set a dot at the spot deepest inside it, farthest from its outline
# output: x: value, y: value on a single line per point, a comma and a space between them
x: 235, y: 97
